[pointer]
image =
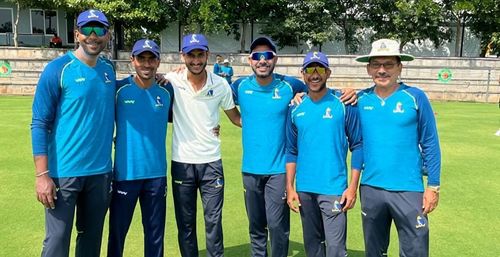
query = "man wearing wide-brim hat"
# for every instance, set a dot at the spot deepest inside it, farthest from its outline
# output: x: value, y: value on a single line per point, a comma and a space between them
x: 400, y: 143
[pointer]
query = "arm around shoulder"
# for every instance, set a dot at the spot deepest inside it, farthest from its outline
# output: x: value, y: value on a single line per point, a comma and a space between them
x: 234, y: 116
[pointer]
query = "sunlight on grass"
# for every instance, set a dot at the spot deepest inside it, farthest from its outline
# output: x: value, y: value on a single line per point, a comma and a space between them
x: 465, y: 223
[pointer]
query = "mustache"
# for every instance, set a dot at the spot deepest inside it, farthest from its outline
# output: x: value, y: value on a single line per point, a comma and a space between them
x: 263, y: 65
x: 382, y: 75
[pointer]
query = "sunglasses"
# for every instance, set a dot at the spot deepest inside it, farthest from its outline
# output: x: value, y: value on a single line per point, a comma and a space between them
x: 99, y: 31
x: 257, y: 56
x: 311, y: 70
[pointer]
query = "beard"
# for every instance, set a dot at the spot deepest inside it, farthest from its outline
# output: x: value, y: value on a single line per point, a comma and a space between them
x: 263, y: 74
x: 94, y: 48
x: 195, y: 71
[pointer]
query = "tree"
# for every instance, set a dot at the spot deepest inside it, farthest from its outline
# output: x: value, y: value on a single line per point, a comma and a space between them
x: 460, y: 11
x: 494, y: 46
x: 144, y: 18
x: 408, y: 20
x: 485, y: 24
x: 300, y: 21
x: 238, y: 14
x: 348, y: 15
x: 207, y: 16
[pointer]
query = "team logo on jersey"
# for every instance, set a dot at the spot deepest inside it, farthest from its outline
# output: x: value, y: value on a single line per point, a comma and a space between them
x: 159, y: 102
x: 106, y: 78
x: 194, y: 39
x: 368, y: 108
x: 92, y: 14
x: 78, y: 80
x: 129, y: 101
x: 219, y: 182
x: 421, y: 222
x: 399, y: 108
x: 276, y: 94
x: 147, y: 45
x: 178, y: 182
x: 328, y: 113
x: 210, y: 92
x: 248, y: 92
x: 337, y: 207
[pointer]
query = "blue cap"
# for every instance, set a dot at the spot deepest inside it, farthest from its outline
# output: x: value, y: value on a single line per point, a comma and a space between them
x: 90, y: 16
x: 263, y: 41
x: 146, y: 45
x: 194, y: 41
x: 315, y: 57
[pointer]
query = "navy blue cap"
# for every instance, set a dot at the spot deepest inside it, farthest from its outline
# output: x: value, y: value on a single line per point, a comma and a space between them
x: 263, y: 41
x: 194, y: 41
x: 315, y: 57
x: 90, y: 16
x: 146, y: 45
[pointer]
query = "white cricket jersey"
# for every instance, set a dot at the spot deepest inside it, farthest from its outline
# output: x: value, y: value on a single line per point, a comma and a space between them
x: 195, y: 114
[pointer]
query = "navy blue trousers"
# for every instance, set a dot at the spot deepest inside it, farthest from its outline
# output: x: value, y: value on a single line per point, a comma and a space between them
x: 90, y: 195
x: 380, y: 207
x: 187, y: 179
x: 324, y: 225
x: 151, y: 194
x: 268, y: 213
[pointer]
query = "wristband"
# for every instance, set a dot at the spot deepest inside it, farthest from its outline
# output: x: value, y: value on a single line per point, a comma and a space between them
x: 41, y: 173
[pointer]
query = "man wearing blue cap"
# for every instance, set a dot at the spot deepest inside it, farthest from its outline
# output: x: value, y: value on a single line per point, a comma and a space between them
x: 72, y: 134
x: 401, y: 145
x: 142, y: 114
x: 319, y: 132
x: 264, y: 98
x: 196, y: 157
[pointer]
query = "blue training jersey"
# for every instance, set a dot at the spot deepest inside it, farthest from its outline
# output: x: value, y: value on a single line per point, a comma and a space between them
x: 73, y: 115
x: 400, y: 140
x: 318, y: 135
x: 263, y: 116
x: 141, y: 127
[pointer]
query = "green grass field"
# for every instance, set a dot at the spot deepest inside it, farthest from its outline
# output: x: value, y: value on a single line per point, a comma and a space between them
x: 466, y: 222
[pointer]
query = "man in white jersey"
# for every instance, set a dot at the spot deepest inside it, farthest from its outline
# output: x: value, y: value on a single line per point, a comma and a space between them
x: 196, y: 156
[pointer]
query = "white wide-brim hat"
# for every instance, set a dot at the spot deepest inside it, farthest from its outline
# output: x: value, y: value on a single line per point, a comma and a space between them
x: 385, y: 47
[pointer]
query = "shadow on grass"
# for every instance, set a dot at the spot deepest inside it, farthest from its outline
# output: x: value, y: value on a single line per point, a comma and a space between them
x: 295, y: 249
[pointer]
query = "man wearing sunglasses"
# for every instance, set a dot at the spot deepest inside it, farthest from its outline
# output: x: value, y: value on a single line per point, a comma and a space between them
x: 263, y: 99
x: 196, y: 157
x: 401, y: 144
x: 319, y: 132
x: 72, y: 134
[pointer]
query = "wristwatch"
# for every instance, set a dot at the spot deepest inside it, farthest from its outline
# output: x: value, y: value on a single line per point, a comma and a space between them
x: 434, y: 188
